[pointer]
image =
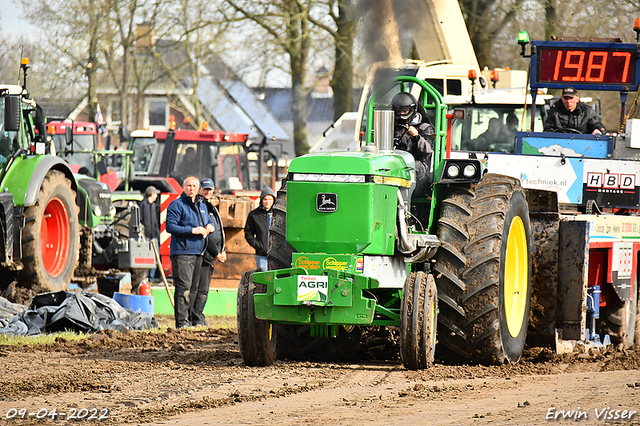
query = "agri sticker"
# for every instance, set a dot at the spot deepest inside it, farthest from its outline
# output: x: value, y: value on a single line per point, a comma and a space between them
x: 313, y: 288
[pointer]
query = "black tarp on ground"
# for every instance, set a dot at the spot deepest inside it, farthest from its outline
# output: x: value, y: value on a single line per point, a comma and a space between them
x: 80, y: 312
x: 9, y: 310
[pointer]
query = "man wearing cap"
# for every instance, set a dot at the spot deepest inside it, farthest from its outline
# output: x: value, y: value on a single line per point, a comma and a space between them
x: 189, y: 223
x: 215, y: 251
x: 571, y: 114
x: 149, y: 215
x: 256, y: 230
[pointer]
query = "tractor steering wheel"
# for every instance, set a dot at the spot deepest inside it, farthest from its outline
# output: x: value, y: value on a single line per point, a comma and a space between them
x: 567, y: 130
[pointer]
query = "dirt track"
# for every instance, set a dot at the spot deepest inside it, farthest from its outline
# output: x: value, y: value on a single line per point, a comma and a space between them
x: 191, y: 377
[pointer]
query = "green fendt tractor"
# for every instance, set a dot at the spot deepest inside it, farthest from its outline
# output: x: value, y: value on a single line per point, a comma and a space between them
x: 365, y: 245
x: 55, y: 226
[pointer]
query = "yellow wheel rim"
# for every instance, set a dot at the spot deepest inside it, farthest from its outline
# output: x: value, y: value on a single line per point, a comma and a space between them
x: 516, y: 277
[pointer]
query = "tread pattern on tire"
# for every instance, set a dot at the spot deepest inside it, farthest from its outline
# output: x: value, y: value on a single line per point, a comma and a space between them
x: 280, y: 251
x: 467, y: 270
x: 621, y: 323
x: 416, y: 340
x: 255, y: 339
x: 34, y: 274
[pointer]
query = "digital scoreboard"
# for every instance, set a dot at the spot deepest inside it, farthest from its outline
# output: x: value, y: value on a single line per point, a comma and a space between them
x: 584, y: 65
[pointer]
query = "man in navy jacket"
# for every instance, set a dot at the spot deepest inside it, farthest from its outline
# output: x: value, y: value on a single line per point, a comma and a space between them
x: 189, y: 223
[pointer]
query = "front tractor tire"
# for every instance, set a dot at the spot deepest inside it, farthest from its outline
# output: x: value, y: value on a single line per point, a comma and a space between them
x: 256, y: 338
x: 418, y: 321
x: 483, y: 272
x: 50, y: 237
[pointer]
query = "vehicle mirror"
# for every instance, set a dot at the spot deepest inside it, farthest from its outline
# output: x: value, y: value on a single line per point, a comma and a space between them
x: 12, y: 113
x: 68, y: 134
x: 458, y: 114
x: 130, y: 173
x: 102, y: 166
x: 124, y: 134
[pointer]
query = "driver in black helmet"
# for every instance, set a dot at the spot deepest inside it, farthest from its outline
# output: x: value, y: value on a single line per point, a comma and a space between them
x: 413, y: 132
x: 569, y: 114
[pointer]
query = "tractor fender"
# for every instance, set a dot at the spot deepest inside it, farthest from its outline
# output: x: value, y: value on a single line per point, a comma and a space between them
x: 32, y: 169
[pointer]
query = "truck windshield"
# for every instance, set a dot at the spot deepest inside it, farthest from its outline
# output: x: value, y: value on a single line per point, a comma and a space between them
x: 81, y: 143
x: 225, y: 163
x: 81, y: 161
x: 143, y: 148
x: 492, y: 127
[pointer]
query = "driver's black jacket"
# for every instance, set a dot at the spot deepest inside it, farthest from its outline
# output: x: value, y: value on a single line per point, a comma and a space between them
x: 583, y: 118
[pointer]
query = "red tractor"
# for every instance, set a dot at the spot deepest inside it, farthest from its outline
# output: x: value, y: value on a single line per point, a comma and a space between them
x: 84, y: 154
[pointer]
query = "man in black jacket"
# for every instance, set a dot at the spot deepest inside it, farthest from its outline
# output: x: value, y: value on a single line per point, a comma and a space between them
x: 215, y: 251
x: 413, y: 132
x: 256, y: 230
x: 149, y: 216
x: 571, y: 114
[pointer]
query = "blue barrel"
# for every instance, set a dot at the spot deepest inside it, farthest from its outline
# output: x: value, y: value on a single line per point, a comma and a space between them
x: 135, y: 302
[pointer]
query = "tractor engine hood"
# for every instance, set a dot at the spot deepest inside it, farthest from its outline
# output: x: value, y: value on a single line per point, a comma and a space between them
x: 345, y: 203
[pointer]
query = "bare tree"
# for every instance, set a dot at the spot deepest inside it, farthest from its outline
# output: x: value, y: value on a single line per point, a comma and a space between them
x: 198, y: 31
x: 287, y: 22
x: 343, y: 33
x: 126, y: 70
x: 485, y: 20
x: 74, y: 37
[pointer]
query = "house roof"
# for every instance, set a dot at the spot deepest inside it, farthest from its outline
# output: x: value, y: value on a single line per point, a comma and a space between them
x: 319, y: 108
x: 57, y: 108
x: 226, y: 99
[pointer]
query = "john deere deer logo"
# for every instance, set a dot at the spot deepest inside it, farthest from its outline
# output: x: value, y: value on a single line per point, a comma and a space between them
x: 326, y: 202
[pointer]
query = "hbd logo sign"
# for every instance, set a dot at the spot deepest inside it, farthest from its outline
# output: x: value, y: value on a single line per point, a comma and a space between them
x: 611, y: 181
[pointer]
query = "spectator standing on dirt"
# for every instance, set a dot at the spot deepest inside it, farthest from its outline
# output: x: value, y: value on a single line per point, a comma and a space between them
x: 570, y: 114
x: 189, y: 223
x: 149, y: 216
x: 215, y: 251
x: 256, y: 230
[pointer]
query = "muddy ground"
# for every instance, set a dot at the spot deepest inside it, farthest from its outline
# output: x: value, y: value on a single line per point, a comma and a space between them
x: 197, y: 377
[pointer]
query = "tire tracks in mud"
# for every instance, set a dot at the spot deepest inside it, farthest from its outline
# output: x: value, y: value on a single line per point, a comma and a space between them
x: 197, y: 377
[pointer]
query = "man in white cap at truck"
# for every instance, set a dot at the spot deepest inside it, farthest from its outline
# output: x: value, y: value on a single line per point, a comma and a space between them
x: 256, y: 230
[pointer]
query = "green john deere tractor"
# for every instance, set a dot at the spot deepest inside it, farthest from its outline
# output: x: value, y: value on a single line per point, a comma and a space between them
x: 364, y: 249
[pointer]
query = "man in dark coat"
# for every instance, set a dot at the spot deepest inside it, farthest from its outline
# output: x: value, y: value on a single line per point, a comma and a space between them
x: 570, y: 113
x: 413, y: 132
x: 189, y: 223
x: 256, y: 230
x: 215, y: 251
x: 149, y: 216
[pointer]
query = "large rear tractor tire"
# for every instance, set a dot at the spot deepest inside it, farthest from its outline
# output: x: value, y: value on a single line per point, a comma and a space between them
x: 483, y: 272
x: 50, y: 237
x: 256, y: 338
x: 280, y: 251
x: 418, y: 319
x: 620, y: 322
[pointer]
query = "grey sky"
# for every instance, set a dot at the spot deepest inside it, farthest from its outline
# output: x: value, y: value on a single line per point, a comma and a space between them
x: 10, y: 21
